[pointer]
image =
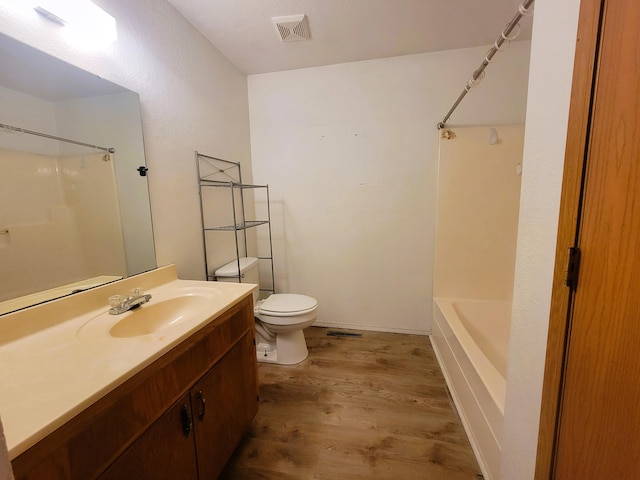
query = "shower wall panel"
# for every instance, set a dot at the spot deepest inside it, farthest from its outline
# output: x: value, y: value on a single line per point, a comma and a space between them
x: 478, y: 204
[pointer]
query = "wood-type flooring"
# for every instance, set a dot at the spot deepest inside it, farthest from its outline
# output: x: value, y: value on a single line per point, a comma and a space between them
x: 369, y: 407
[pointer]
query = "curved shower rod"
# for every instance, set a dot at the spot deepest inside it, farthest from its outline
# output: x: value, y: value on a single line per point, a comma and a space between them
x: 479, y: 73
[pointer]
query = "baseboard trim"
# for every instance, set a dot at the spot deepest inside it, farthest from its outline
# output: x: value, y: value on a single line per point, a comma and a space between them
x: 372, y: 328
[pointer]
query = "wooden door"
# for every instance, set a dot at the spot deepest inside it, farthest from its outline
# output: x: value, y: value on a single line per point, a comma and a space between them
x: 165, y: 451
x: 225, y: 402
x: 598, y: 427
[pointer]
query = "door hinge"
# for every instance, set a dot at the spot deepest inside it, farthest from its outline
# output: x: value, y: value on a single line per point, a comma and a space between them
x: 572, y: 269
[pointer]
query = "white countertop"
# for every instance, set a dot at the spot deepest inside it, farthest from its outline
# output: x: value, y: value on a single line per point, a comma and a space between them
x: 52, y: 374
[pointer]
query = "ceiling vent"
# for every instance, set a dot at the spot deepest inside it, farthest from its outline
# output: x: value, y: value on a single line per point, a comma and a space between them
x: 292, y: 28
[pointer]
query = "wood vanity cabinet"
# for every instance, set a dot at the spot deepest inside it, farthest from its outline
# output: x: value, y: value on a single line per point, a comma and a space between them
x: 206, y: 424
x: 222, y: 410
x: 165, y: 451
x: 179, y: 418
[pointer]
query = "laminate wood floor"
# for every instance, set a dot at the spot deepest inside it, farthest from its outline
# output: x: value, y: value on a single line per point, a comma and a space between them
x: 369, y: 407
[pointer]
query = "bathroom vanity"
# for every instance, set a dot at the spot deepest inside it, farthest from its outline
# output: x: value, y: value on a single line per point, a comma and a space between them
x: 171, y: 401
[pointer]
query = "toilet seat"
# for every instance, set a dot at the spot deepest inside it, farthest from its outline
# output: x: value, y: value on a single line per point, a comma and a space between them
x: 287, y: 305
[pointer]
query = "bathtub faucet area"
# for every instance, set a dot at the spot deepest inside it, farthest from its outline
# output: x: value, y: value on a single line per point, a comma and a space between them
x: 120, y: 304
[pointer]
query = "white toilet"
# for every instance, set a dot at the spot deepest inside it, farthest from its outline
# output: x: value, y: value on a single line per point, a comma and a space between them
x: 280, y: 318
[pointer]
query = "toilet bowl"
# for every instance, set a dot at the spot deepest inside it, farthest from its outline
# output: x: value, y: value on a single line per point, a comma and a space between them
x: 280, y: 318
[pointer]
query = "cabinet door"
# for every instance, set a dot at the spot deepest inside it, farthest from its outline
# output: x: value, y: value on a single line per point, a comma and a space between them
x: 225, y: 402
x: 165, y: 451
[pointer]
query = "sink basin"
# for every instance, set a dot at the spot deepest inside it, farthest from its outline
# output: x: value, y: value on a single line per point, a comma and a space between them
x: 164, y: 311
x: 152, y: 317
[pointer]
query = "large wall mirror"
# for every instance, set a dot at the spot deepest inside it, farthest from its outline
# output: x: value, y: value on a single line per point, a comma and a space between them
x: 71, y: 216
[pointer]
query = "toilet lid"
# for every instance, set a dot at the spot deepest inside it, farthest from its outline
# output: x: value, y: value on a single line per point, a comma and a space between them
x: 287, y: 304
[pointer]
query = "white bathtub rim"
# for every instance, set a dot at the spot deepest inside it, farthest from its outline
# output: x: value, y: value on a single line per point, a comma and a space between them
x: 496, y: 384
x: 460, y: 362
x: 475, y: 439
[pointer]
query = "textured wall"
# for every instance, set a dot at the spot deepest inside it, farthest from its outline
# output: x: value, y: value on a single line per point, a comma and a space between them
x: 351, y: 154
x: 552, y: 51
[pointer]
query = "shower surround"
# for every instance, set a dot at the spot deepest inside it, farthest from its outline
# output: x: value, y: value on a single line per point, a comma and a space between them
x: 60, y: 215
x: 476, y: 234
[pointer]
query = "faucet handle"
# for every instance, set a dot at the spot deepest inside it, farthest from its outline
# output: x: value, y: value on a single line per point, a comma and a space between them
x: 116, y: 300
x: 136, y: 292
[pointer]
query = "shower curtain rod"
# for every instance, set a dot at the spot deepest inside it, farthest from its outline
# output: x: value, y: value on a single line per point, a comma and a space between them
x: 479, y: 72
x: 52, y: 137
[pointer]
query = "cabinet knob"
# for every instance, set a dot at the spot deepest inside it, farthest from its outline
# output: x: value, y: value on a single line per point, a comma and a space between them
x: 200, y: 396
x: 187, y: 423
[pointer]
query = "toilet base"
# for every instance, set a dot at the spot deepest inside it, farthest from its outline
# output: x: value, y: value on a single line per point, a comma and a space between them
x: 289, y: 348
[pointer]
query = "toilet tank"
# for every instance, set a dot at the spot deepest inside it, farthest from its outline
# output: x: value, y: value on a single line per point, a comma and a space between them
x: 249, y: 273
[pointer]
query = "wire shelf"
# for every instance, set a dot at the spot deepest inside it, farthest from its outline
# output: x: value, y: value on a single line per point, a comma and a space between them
x: 238, y: 226
x: 219, y: 173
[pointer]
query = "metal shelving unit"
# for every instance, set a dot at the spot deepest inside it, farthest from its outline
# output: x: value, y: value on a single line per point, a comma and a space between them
x: 223, y: 174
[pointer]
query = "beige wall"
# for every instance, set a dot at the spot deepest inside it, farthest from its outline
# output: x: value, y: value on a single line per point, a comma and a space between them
x: 477, y: 219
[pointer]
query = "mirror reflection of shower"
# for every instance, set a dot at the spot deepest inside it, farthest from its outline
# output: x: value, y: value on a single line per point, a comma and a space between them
x: 42, y: 94
x: 59, y: 214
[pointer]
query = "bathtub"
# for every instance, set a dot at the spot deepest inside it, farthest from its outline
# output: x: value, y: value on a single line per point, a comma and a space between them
x: 471, y: 342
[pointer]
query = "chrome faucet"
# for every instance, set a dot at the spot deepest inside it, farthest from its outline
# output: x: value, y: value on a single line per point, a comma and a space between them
x: 120, y: 304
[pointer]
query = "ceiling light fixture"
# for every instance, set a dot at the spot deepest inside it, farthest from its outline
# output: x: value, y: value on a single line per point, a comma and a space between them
x: 49, y: 16
x: 82, y: 19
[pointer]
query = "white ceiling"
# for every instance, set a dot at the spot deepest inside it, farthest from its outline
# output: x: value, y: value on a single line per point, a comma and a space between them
x: 346, y: 30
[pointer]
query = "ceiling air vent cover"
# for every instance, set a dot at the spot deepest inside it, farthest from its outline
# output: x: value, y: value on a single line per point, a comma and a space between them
x: 292, y: 28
